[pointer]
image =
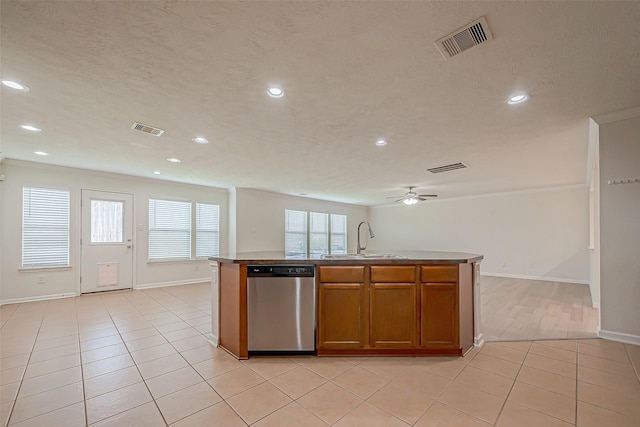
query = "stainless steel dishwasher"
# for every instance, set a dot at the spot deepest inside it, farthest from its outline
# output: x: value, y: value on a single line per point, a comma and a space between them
x: 281, y: 308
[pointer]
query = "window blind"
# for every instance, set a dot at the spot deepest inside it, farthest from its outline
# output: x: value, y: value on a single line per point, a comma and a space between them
x: 338, y: 234
x: 318, y: 233
x: 314, y: 233
x: 207, y: 230
x: 45, y: 227
x: 169, y: 229
x: 295, y: 232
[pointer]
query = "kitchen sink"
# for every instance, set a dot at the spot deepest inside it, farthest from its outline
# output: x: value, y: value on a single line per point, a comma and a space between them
x: 362, y: 256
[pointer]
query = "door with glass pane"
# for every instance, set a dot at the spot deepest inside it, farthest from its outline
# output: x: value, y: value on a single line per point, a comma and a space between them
x: 107, y: 246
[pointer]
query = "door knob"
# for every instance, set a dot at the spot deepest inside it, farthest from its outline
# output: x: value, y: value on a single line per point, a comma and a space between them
x: 128, y: 246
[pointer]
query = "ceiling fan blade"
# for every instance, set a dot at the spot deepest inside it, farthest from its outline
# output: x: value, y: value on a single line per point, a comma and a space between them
x: 427, y: 195
x: 399, y: 200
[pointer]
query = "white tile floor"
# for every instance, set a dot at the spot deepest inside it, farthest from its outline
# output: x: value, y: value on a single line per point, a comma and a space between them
x: 141, y: 358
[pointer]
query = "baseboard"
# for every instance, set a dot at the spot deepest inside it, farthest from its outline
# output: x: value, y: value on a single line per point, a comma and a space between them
x: 478, y: 341
x: 213, y: 340
x: 37, y: 298
x: 619, y: 336
x: 174, y: 283
x: 542, y: 278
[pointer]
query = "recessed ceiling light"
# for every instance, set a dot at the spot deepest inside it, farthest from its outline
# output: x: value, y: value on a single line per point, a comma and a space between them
x: 41, y: 153
x: 275, y: 92
x: 15, y: 85
x: 156, y: 172
x: 174, y: 160
x: 381, y: 142
x: 518, y: 99
x: 31, y: 128
x: 200, y: 140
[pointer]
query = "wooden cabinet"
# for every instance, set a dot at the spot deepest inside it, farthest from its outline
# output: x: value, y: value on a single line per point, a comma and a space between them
x: 439, y: 315
x: 341, y: 307
x: 446, y: 307
x: 439, y: 326
x: 392, y: 312
x: 401, y: 309
x: 394, y: 309
x: 233, y: 309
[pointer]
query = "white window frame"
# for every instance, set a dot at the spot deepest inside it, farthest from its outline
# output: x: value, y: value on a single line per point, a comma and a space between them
x: 329, y: 235
x: 194, y: 225
x: 203, y: 228
x: 45, y: 227
x: 322, y: 235
x: 288, y: 232
x: 333, y: 235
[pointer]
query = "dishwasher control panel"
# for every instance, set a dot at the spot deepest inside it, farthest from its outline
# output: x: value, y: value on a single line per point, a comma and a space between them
x: 280, y: 270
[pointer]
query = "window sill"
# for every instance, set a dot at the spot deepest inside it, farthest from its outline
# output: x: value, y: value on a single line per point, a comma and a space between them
x: 175, y: 261
x: 48, y: 268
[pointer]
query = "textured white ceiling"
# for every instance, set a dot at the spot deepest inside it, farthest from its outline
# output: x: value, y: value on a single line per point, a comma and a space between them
x: 353, y: 72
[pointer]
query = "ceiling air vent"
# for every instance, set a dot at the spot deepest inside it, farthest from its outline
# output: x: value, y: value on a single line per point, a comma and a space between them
x: 464, y: 38
x: 447, y: 168
x: 147, y: 129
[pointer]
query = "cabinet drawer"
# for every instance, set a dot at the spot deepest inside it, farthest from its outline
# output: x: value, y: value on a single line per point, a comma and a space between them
x: 439, y: 273
x: 393, y: 274
x: 339, y: 274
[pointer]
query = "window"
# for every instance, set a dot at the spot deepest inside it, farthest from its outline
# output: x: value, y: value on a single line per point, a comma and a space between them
x: 295, y: 232
x: 318, y: 233
x: 45, y: 227
x: 169, y: 229
x: 327, y: 233
x: 171, y: 226
x: 107, y: 218
x: 207, y: 230
x: 338, y: 235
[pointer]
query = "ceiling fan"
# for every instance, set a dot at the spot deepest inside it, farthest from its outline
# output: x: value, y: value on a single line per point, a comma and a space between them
x: 411, y: 197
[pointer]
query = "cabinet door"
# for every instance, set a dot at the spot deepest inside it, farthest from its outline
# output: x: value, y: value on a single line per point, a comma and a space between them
x: 341, y: 321
x: 439, y: 315
x: 393, y: 315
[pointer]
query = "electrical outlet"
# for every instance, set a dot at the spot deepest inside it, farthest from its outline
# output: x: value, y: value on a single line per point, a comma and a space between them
x: 40, y: 280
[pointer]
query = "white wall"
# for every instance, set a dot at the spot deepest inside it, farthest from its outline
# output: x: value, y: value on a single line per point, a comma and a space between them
x: 620, y: 230
x: 535, y: 234
x: 18, y: 284
x: 260, y: 218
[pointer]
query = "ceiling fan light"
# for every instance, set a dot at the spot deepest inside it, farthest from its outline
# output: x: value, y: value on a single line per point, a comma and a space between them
x: 410, y: 201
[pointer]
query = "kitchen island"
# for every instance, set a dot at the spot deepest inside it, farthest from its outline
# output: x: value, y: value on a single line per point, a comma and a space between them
x: 411, y: 303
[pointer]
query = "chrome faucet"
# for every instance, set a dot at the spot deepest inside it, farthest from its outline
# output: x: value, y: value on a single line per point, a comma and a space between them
x: 360, y: 247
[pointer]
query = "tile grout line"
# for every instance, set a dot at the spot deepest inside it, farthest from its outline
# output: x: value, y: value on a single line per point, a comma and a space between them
x: 13, y: 405
x: 178, y: 352
x: 636, y: 369
x: 515, y: 378
x: 84, y: 391
x: 135, y: 364
x: 577, y: 379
